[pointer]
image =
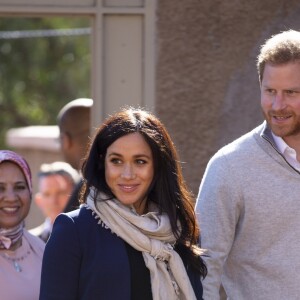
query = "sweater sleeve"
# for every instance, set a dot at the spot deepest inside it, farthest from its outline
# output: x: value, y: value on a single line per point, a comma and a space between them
x: 61, y: 262
x: 217, y: 211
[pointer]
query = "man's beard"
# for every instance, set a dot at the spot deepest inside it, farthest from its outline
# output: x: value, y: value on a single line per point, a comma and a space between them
x: 292, y: 128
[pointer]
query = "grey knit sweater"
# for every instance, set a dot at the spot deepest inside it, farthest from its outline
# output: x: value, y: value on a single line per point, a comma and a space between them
x: 248, y: 208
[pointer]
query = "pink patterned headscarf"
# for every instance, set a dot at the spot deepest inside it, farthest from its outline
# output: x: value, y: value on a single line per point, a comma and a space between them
x: 7, y: 155
x: 9, y: 236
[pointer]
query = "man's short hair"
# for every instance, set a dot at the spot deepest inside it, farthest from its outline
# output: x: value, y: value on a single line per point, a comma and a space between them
x: 60, y: 168
x: 281, y: 48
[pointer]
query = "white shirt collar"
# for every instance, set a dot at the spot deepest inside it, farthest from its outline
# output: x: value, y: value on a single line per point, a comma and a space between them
x: 280, y: 143
x: 288, y: 152
x: 48, y: 225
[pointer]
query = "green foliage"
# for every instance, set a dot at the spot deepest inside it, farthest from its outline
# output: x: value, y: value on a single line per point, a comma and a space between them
x: 39, y: 75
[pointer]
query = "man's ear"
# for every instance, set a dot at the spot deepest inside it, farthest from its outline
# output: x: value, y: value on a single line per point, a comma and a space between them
x: 66, y: 140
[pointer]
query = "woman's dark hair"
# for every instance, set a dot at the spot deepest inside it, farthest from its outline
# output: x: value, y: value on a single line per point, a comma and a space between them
x: 168, y: 189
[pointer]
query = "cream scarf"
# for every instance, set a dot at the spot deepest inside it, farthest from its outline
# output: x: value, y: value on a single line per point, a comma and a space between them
x: 152, y: 235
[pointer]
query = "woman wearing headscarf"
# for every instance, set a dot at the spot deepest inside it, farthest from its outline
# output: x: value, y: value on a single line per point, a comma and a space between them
x: 20, y: 252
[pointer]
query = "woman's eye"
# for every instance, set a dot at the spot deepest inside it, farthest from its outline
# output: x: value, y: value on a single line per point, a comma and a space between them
x: 115, y: 161
x: 141, y: 162
x: 20, y: 187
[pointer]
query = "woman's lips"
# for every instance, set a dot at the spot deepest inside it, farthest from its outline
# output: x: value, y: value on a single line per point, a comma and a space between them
x: 128, y: 188
x: 10, y: 210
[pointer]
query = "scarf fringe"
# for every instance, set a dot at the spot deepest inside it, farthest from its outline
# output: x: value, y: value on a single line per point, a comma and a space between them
x: 97, y: 217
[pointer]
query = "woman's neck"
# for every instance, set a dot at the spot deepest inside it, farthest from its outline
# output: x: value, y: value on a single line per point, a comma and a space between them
x: 16, y: 245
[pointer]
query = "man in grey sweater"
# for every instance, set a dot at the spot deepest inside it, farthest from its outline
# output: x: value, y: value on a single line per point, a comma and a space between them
x: 248, y: 205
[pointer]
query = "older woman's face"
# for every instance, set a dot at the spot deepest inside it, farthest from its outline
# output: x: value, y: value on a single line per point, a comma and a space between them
x: 129, y: 170
x: 14, y: 195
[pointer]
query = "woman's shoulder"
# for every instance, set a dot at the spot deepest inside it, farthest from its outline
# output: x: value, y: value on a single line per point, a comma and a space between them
x: 33, y: 239
x: 71, y: 229
x: 79, y: 215
x: 80, y: 226
x: 35, y: 242
x: 81, y: 220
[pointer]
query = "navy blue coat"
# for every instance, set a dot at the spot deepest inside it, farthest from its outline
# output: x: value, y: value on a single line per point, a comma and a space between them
x: 81, y: 259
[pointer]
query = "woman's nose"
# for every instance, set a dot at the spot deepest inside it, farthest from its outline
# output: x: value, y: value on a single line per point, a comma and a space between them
x: 128, y: 172
x: 10, y: 194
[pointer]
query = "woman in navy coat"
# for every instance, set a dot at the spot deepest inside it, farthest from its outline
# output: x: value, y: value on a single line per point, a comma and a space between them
x: 135, y: 235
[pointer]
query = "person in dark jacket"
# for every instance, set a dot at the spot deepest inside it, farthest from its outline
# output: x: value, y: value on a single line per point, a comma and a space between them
x: 74, y: 122
x: 135, y: 235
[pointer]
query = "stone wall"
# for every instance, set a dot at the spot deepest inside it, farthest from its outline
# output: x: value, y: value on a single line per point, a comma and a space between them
x: 207, y: 84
